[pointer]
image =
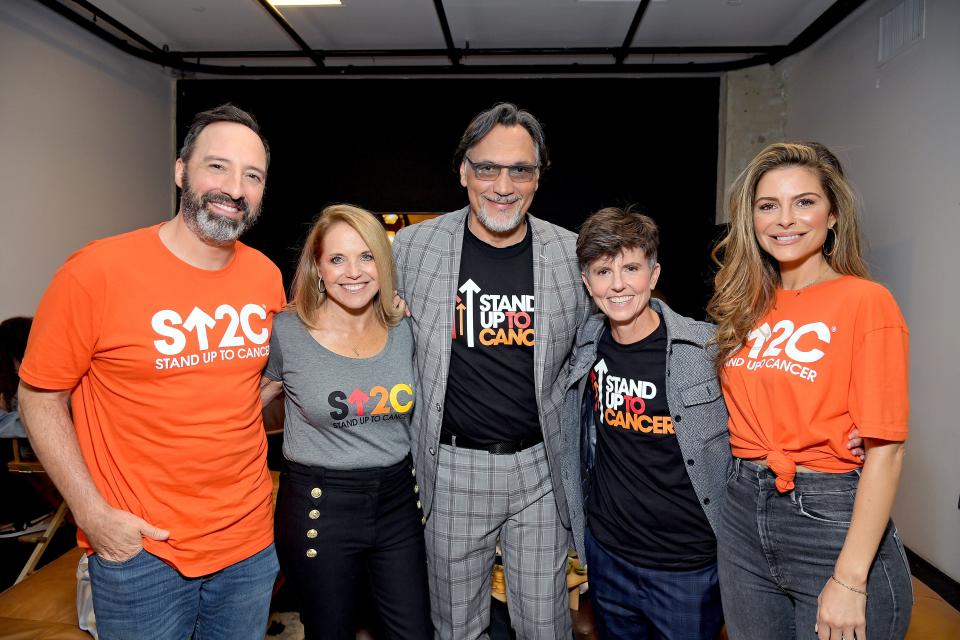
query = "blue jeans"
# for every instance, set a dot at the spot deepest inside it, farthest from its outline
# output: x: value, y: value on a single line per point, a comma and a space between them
x: 777, y: 551
x: 635, y: 603
x: 144, y: 598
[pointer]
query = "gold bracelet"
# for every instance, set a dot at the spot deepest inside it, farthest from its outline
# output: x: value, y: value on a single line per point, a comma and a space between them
x: 846, y: 586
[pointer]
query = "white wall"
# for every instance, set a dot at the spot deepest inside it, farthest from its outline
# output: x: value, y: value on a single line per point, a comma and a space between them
x: 897, y: 131
x: 87, y: 139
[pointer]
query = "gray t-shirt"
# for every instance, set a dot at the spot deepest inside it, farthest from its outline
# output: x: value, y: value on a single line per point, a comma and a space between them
x: 343, y: 413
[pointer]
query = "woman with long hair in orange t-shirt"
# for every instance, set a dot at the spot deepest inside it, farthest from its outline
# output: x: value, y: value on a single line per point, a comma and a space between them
x: 808, y: 347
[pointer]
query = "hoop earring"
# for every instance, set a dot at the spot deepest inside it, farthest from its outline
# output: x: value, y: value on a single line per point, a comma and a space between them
x: 322, y: 288
x: 833, y: 247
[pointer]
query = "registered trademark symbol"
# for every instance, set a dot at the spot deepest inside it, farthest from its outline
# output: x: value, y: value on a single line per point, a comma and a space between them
x: 833, y: 329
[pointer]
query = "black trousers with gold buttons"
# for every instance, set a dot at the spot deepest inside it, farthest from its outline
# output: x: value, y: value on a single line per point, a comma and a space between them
x: 336, y: 530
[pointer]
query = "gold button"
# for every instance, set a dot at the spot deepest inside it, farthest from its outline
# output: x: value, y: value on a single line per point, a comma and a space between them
x: 314, y: 514
x: 312, y: 533
x: 419, y: 506
x: 423, y: 520
x: 413, y: 472
x: 416, y: 488
x: 311, y: 553
x: 316, y: 492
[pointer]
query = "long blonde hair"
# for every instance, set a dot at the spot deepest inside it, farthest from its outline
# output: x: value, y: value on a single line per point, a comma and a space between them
x: 306, y: 296
x: 745, y: 286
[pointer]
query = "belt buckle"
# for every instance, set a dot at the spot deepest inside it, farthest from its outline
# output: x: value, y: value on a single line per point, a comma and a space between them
x: 499, y: 449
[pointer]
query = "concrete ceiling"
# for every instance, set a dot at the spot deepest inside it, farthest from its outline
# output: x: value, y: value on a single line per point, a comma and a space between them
x: 375, y: 34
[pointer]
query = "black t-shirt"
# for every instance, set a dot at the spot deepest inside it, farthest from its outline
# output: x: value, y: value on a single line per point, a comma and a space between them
x: 490, y: 386
x: 641, y: 504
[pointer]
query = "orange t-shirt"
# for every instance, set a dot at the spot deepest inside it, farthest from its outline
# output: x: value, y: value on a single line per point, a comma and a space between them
x: 824, y: 359
x: 164, y: 363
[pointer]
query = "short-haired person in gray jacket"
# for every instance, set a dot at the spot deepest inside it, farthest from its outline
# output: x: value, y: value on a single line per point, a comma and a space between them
x: 654, y: 452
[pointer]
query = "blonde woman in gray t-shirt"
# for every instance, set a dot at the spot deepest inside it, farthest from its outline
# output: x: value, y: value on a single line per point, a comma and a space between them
x: 348, y: 507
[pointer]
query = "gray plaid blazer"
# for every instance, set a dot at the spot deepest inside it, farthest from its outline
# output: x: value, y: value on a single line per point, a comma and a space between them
x: 427, y: 257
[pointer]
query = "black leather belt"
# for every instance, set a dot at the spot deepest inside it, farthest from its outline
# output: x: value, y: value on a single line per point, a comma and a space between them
x: 496, y: 448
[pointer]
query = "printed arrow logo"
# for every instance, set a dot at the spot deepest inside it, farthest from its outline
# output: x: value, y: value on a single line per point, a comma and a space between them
x: 358, y: 397
x: 469, y: 288
x: 200, y: 321
x: 600, y: 368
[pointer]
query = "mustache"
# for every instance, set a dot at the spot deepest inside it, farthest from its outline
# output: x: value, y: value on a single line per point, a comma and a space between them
x: 502, y: 199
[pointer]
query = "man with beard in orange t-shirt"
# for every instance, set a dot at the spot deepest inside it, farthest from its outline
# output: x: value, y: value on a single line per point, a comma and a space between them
x: 158, y: 338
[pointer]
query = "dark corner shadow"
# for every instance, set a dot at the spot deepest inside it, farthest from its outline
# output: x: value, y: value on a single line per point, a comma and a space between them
x: 942, y: 584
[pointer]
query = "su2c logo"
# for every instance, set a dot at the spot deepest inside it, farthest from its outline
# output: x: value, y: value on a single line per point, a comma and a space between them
x: 169, y: 324
x: 341, y: 402
x: 785, y: 332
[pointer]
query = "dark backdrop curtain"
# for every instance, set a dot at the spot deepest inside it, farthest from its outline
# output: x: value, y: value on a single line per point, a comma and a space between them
x: 387, y: 145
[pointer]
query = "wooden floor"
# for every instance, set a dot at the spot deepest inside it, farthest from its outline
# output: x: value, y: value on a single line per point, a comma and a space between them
x: 933, y: 617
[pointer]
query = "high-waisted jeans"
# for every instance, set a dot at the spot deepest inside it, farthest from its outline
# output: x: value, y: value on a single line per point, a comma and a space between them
x: 777, y: 551
x: 337, y: 529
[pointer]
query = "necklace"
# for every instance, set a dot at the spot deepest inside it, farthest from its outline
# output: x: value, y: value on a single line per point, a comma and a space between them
x: 820, y: 276
x: 353, y: 344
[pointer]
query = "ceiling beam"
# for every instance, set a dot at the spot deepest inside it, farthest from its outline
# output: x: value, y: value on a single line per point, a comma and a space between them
x: 278, y: 17
x: 539, y: 70
x: 491, y: 52
x: 116, y: 24
x: 632, y: 31
x: 452, y: 52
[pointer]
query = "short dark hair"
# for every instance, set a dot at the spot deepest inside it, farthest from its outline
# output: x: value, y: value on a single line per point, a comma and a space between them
x: 612, y: 230
x: 508, y: 115
x: 224, y: 113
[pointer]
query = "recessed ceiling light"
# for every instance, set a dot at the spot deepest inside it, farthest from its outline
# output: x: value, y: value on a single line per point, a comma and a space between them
x: 306, y: 3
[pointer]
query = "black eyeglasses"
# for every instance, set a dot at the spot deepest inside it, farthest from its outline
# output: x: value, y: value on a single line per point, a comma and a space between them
x: 489, y: 171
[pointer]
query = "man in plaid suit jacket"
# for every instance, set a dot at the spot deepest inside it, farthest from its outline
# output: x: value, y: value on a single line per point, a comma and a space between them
x: 496, y: 300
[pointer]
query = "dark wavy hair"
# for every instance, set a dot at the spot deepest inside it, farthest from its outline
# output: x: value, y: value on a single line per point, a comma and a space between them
x: 508, y: 115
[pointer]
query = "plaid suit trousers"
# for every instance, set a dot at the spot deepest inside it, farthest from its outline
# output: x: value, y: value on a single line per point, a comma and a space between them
x: 479, y: 497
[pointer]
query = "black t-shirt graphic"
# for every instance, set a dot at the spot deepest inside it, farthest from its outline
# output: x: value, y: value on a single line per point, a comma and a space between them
x: 641, y: 504
x: 490, y: 386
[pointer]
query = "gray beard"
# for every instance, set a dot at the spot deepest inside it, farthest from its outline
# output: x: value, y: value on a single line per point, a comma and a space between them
x: 500, y: 225
x: 212, y: 227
